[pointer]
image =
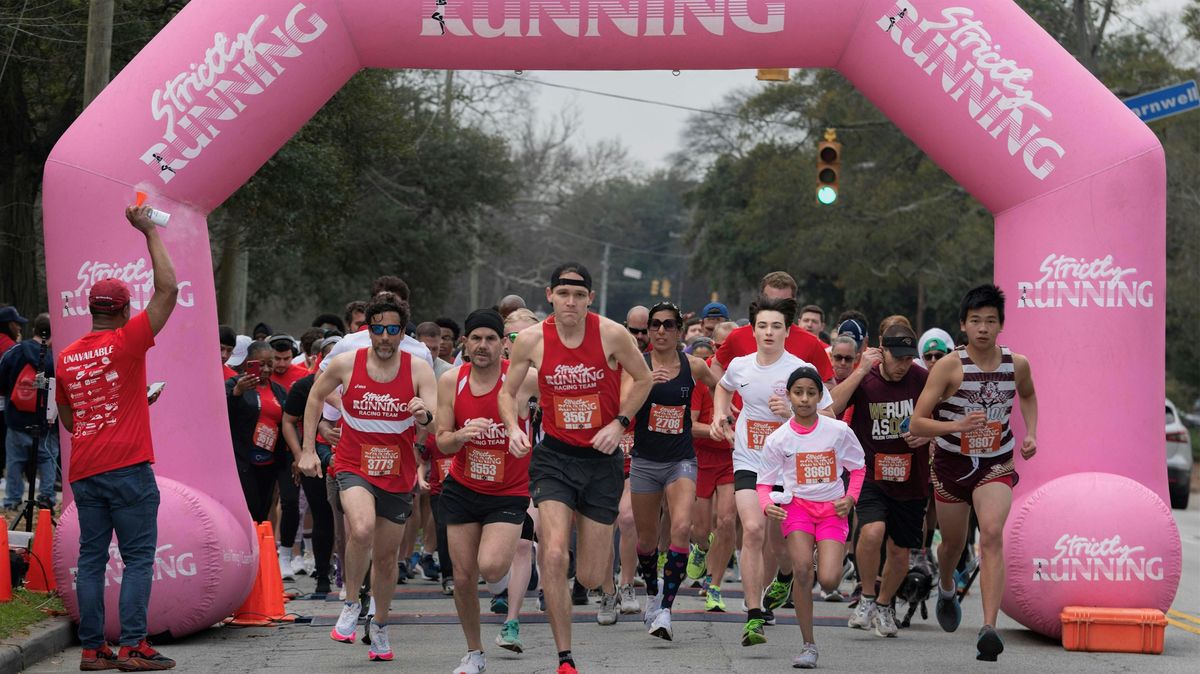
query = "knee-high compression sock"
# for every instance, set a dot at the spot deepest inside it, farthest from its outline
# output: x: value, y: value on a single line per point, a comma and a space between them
x: 648, y: 568
x: 673, y: 574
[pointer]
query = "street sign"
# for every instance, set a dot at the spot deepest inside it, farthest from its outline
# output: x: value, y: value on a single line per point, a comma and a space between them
x: 630, y: 272
x: 1165, y: 102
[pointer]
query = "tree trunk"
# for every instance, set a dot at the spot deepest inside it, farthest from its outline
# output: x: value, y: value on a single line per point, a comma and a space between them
x: 231, y: 280
x: 99, y: 49
x: 18, y: 238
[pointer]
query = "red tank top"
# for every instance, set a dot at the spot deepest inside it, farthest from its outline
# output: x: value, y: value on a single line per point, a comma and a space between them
x: 439, y: 465
x: 377, y: 429
x: 580, y: 393
x: 484, y: 464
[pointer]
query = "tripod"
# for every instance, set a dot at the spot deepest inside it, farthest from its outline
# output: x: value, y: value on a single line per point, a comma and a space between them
x: 36, y: 430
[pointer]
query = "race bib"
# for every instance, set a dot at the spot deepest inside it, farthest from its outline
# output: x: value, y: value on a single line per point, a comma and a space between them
x: 485, y: 465
x: 893, y: 467
x: 666, y: 419
x: 577, y: 414
x: 627, y: 443
x: 265, y: 436
x: 816, y: 467
x: 443, y: 466
x: 985, y: 440
x: 380, y: 460
x: 757, y: 432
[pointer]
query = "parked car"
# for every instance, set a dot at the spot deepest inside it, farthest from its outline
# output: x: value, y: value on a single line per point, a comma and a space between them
x: 1179, y: 458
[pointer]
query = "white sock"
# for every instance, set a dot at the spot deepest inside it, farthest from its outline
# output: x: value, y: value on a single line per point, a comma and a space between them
x: 500, y: 585
x: 945, y: 594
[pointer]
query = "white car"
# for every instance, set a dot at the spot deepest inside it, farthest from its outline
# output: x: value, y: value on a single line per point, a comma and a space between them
x: 1179, y: 459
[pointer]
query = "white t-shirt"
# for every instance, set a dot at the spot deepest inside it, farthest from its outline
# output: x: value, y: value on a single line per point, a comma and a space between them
x: 756, y: 384
x: 362, y: 340
x: 810, y: 466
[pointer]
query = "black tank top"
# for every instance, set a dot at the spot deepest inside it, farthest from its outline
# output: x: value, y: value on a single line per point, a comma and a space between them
x: 664, y: 424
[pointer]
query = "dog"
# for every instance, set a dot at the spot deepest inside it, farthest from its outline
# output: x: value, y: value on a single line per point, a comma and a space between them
x: 917, y: 587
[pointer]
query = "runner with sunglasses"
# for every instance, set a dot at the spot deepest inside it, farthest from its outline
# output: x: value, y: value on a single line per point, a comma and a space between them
x: 935, y: 344
x: 388, y: 393
x: 664, y: 462
x: 575, y: 474
x: 637, y: 323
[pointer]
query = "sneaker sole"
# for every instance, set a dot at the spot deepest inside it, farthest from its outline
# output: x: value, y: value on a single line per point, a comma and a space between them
x: 662, y: 633
x: 333, y: 634
x: 989, y: 646
x: 606, y: 623
x: 142, y: 665
x: 795, y: 666
x: 755, y: 640
x: 98, y: 666
x: 379, y: 657
x: 884, y: 636
x: 715, y: 609
x: 514, y: 647
x: 634, y: 610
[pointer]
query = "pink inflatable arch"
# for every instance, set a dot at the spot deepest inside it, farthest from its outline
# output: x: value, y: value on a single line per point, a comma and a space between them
x: 1077, y: 184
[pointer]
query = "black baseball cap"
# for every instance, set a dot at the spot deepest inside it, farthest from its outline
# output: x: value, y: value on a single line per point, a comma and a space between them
x: 901, y: 346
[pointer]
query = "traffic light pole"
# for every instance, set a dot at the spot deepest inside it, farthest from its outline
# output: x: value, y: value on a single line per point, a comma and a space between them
x: 604, y: 279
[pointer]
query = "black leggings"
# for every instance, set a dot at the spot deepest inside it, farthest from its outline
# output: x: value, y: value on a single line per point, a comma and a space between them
x: 439, y: 523
x: 289, y: 503
x: 258, y: 486
x: 322, y: 514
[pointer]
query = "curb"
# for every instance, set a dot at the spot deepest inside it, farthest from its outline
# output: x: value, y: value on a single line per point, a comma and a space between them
x: 39, y: 642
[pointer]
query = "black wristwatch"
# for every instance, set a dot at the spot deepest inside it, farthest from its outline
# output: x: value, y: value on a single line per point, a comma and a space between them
x: 623, y: 420
x: 428, y: 419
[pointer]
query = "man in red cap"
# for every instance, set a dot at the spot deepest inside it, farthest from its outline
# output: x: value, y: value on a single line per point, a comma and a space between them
x: 102, y: 402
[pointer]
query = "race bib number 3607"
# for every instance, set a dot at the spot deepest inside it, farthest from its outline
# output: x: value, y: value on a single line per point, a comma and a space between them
x: 986, y: 440
x: 580, y: 413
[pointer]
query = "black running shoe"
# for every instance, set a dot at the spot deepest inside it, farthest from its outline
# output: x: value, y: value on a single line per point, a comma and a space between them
x: 989, y: 644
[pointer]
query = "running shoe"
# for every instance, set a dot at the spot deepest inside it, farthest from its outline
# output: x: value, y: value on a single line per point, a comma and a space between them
x: 652, y: 609
x: 777, y: 594
x: 863, y: 614
x: 695, y: 564
x: 753, y: 633
x: 298, y: 568
x: 769, y: 617
x: 380, y: 648
x: 807, y: 658
x: 628, y: 600
x: 472, y: 663
x: 579, y: 594
x: 885, y: 621
x: 429, y: 568
x: 448, y: 588
x: 989, y: 644
x: 323, y: 586
x: 714, y: 602
x: 286, y: 570
x: 500, y: 603
x: 344, y: 630
x: 402, y: 577
x: 608, y: 613
x: 949, y: 612
x: 97, y: 659
x: 510, y: 636
x: 661, y: 625
x: 855, y: 595
x: 566, y: 668
x: 834, y: 596
x: 143, y: 658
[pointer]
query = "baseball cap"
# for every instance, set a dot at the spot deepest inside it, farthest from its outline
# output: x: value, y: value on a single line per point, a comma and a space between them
x: 901, y: 346
x: 10, y: 315
x: 934, y: 344
x: 240, y: 347
x: 281, y: 341
x: 109, y: 295
x: 854, y: 328
x: 715, y: 310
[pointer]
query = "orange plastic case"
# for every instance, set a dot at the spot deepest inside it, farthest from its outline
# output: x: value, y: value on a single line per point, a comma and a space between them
x: 1113, y: 630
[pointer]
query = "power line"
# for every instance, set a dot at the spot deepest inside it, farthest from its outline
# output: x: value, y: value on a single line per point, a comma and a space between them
x: 16, y: 27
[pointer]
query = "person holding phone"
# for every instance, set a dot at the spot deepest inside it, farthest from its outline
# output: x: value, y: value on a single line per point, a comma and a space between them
x: 255, y: 413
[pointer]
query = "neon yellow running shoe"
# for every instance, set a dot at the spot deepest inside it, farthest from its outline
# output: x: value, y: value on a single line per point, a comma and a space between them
x: 714, y: 603
x: 696, y: 559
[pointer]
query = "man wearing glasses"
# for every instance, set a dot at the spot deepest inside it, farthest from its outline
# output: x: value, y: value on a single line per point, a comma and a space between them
x: 387, y: 393
x: 637, y: 322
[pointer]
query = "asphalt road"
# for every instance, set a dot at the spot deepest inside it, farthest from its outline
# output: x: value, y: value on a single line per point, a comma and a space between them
x: 429, y: 640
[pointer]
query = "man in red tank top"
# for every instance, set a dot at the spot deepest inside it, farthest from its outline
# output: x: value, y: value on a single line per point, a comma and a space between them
x: 485, y: 495
x: 575, y: 470
x: 387, y: 394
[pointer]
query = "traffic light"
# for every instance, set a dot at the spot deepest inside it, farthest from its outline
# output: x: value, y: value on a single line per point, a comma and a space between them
x: 774, y: 75
x: 829, y: 168
x: 666, y: 288
x: 654, y: 287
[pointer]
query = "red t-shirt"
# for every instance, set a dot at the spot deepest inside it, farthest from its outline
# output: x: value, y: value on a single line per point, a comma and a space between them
x: 102, y: 376
x: 799, y: 343
x: 227, y: 372
x: 293, y: 374
x: 6, y: 343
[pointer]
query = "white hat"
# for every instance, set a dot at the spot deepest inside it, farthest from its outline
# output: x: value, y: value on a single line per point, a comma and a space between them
x: 240, y: 347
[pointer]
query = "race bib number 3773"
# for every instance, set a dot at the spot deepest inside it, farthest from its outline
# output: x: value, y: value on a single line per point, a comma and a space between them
x: 380, y: 460
x: 757, y: 432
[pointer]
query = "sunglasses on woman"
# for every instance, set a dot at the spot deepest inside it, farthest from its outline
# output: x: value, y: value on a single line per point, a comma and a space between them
x: 393, y: 330
x: 933, y: 356
x: 668, y: 324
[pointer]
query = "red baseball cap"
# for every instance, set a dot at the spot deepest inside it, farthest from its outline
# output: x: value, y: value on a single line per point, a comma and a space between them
x: 109, y: 295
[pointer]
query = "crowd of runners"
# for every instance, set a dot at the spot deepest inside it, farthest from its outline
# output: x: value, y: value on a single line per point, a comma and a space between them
x: 570, y: 455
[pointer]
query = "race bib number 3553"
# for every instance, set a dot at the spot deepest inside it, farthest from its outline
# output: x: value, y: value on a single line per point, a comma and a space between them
x: 577, y: 414
x: 485, y: 465
x: 816, y: 467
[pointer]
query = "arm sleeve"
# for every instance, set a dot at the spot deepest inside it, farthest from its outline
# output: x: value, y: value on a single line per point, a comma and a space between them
x: 764, y: 495
x: 856, y: 482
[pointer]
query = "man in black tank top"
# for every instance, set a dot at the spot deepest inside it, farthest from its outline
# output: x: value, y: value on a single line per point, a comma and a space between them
x: 980, y: 473
x: 665, y: 461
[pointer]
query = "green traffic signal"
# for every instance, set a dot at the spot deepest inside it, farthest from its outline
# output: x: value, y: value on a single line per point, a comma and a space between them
x: 827, y: 195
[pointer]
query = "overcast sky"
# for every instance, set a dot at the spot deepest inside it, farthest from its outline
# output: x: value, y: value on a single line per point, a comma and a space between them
x: 651, y: 132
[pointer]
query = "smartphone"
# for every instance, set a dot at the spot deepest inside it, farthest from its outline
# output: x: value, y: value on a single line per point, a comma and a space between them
x: 155, y: 389
x: 254, y: 368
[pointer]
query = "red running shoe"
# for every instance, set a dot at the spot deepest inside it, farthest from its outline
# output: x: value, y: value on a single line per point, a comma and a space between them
x: 567, y: 668
x: 97, y: 659
x: 142, y: 658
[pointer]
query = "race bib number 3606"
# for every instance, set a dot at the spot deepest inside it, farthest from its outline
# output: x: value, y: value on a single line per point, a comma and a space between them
x: 816, y: 467
x: 580, y: 413
x: 893, y: 467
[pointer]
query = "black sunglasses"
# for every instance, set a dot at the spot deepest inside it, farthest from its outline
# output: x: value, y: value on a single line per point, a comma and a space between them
x: 668, y: 324
x: 637, y: 331
x: 393, y: 330
x: 843, y: 359
x: 933, y: 356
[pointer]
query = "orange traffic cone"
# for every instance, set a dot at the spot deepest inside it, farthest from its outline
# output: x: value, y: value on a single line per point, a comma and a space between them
x: 253, y: 611
x: 41, y: 559
x: 274, y: 581
x: 5, y: 571
x: 264, y: 606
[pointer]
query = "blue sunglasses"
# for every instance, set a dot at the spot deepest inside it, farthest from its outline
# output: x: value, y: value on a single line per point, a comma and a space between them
x: 392, y: 330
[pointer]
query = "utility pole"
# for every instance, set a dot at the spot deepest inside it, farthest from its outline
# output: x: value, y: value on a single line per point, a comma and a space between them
x: 99, y: 49
x: 473, y: 269
x: 604, y: 279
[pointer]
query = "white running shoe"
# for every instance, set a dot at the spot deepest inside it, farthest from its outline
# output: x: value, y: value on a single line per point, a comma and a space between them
x: 653, y: 604
x: 285, y: 564
x: 628, y: 600
x: 863, y: 614
x: 298, y: 566
x: 380, y: 648
x: 607, y: 615
x: 661, y: 625
x: 472, y: 663
x: 885, y: 621
x: 310, y: 563
x: 344, y: 630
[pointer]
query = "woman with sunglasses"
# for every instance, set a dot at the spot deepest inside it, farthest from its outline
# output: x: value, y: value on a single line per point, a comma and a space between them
x: 935, y: 344
x: 664, y: 462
